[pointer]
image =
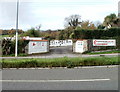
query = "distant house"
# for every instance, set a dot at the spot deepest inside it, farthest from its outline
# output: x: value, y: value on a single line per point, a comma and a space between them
x: 32, y: 38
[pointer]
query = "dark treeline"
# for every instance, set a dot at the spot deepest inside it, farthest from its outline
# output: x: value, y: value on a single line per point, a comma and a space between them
x: 96, y: 34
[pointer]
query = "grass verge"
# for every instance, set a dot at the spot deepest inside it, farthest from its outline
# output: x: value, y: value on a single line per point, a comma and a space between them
x: 59, y: 62
x: 105, y: 52
x: 11, y: 55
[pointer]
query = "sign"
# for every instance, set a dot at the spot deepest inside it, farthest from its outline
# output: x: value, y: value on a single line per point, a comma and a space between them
x: 38, y: 46
x: 101, y: 42
x: 81, y: 46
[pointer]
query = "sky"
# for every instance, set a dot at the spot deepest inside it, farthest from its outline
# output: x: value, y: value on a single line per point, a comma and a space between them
x: 50, y: 14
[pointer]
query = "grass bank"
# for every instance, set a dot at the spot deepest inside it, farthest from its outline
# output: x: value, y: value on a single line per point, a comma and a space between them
x: 104, y: 52
x: 59, y: 62
x: 12, y: 55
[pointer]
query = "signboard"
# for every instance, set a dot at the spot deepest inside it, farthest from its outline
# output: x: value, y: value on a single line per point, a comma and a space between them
x: 101, y: 42
x: 81, y: 46
x: 38, y: 47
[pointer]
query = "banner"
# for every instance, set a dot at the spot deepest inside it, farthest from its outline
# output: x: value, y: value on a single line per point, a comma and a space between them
x: 101, y: 42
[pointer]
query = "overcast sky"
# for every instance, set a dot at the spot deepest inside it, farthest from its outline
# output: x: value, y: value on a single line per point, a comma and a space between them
x: 51, y: 13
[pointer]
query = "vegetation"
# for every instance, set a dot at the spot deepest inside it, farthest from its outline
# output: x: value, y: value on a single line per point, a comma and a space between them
x: 12, y: 55
x: 77, y: 29
x: 104, y: 52
x: 32, y: 33
x: 10, y: 32
x: 59, y: 62
x: 111, y: 21
x: 73, y: 21
x: 8, y: 46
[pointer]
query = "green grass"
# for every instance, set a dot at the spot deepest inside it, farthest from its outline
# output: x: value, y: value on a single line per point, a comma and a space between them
x: 11, y: 55
x: 9, y: 35
x: 90, y: 53
x: 5, y: 35
x: 105, y: 52
x: 59, y: 62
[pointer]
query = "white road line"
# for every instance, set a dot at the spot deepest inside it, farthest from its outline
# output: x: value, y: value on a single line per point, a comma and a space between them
x: 84, y: 80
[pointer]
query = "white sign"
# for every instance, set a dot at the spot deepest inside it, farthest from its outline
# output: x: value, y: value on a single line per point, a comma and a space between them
x: 38, y: 47
x: 81, y: 46
x: 101, y: 42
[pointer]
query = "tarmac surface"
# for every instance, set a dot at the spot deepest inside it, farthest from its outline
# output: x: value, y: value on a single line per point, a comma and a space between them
x: 56, y: 52
x: 85, y: 78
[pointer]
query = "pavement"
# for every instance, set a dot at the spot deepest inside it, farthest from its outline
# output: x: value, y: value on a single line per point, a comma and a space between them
x: 62, y: 55
x: 84, y: 78
x: 56, y: 52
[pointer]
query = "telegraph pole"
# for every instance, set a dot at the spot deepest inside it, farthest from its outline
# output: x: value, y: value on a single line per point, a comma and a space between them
x: 16, y: 44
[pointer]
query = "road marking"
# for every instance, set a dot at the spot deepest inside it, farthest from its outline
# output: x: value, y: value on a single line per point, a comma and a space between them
x: 84, y: 80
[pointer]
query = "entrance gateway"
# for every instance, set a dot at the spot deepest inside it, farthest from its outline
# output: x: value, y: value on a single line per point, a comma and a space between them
x: 55, y: 43
x: 39, y: 45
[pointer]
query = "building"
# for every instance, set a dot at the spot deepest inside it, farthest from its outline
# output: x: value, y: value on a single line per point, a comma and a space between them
x: 32, y: 38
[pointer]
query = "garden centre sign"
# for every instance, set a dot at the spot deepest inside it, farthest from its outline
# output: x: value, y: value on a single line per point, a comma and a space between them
x: 38, y: 46
x: 101, y: 42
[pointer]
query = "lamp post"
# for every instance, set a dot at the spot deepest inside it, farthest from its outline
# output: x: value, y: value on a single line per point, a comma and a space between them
x: 16, y: 43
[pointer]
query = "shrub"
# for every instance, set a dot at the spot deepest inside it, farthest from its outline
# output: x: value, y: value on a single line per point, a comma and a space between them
x: 59, y: 62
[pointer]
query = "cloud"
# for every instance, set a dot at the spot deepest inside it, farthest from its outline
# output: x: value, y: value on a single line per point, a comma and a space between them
x: 51, y: 13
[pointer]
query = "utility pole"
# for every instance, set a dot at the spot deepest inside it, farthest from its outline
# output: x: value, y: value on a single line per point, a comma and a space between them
x: 16, y: 44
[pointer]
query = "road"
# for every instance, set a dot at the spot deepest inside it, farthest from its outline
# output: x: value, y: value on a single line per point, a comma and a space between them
x: 61, y: 52
x: 86, y: 78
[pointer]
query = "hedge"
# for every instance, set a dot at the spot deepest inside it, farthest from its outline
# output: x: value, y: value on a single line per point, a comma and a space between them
x: 59, y: 62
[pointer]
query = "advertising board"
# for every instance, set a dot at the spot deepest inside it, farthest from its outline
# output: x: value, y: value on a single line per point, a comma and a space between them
x: 38, y: 47
x: 101, y: 42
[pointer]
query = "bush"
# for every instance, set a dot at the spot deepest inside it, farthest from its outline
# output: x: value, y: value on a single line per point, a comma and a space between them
x: 96, y: 34
x: 8, y: 47
x: 59, y: 62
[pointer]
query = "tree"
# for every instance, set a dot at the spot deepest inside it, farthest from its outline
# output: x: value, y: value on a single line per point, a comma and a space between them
x: 116, y: 22
x: 38, y: 27
x: 61, y: 35
x: 72, y: 21
x: 101, y: 26
x: 109, y: 20
x: 32, y: 33
x: 87, y: 25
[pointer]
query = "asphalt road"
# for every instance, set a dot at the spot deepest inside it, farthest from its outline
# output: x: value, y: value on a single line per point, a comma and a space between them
x: 86, y: 78
x: 61, y: 50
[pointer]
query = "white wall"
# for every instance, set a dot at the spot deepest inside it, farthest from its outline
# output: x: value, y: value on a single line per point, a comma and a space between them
x: 32, y: 38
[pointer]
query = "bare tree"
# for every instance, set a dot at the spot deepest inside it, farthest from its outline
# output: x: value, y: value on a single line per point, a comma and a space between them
x: 38, y: 27
x: 72, y: 21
